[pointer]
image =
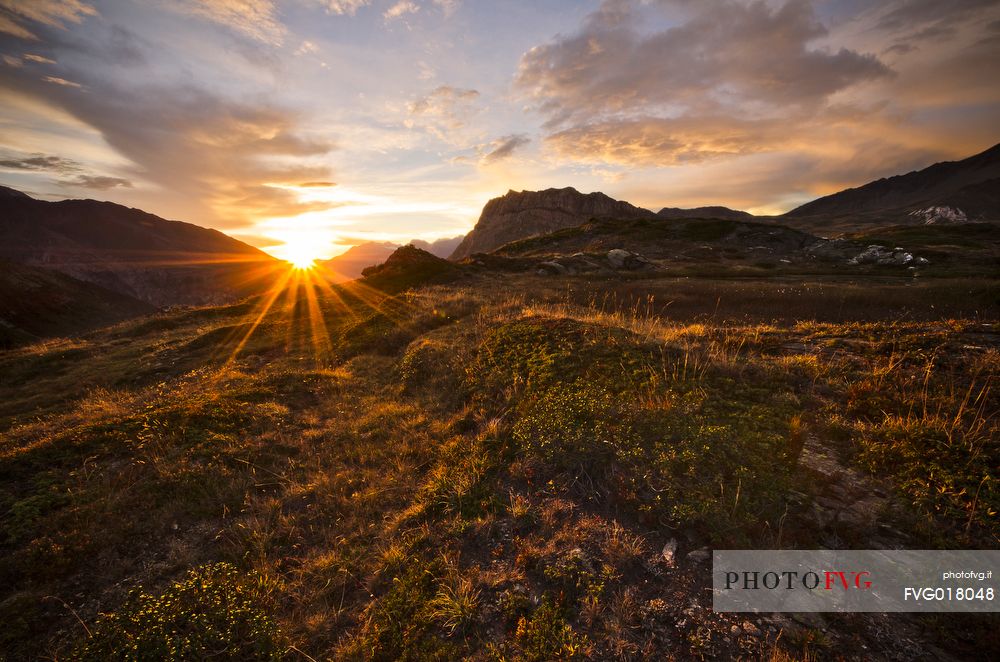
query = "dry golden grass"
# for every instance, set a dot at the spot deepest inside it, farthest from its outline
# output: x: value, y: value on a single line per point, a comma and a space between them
x: 401, y: 496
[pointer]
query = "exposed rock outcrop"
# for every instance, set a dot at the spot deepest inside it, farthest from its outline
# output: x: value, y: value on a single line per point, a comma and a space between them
x: 939, y: 214
x: 617, y: 259
x: 518, y: 215
x: 876, y: 254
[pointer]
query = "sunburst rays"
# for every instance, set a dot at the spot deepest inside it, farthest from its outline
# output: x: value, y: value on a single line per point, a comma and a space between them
x: 303, y: 312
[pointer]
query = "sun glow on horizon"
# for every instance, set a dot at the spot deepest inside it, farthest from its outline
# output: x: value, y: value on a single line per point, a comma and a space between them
x: 300, y: 252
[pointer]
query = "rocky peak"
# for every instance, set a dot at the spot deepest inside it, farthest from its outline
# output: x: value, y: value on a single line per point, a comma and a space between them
x: 522, y: 214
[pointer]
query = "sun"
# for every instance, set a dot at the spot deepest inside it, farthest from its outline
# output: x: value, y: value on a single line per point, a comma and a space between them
x: 302, y: 253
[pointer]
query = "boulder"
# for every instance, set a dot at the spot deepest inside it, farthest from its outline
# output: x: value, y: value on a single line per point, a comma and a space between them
x: 881, y: 255
x: 551, y: 268
x: 624, y: 260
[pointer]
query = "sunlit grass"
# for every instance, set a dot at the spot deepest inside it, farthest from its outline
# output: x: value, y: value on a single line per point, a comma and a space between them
x: 453, y: 470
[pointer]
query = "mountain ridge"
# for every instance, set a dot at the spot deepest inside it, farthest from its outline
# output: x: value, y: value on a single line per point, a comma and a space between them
x: 952, y: 182
x: 521, y: 214
x: 130, y: 251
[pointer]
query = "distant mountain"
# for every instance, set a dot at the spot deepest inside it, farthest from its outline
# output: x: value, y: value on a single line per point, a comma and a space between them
x: 349, y: 264
x: 724, y: 213
x: 522, y: 214
x: 130, y: 251
x: 40, y: 303
x: 439, y: 247
x: 971, y: 185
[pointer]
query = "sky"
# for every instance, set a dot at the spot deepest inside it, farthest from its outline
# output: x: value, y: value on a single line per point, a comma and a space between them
x: 320, y: 124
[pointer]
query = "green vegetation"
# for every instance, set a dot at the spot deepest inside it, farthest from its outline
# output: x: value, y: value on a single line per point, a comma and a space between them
x: 213, y: 612
x: 457, y: 472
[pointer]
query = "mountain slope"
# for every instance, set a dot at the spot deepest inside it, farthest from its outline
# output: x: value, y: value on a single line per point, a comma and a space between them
x: 971, y: 184
x: 705, y: 212
x: 130, y: 251
x: 40, y: 303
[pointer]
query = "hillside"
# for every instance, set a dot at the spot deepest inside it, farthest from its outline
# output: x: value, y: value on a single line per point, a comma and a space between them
x: 414, y: 466
x: 41, y: 303
x: 705, y: 212
x: 972, y: 185
x: 130, y: 251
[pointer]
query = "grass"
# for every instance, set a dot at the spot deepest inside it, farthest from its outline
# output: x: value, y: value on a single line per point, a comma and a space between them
x: 456, y: 471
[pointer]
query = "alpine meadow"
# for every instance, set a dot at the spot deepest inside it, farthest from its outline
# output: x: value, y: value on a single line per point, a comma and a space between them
x: 363, y: 405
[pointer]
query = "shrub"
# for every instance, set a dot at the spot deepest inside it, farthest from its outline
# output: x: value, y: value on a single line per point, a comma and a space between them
x: 213, y: 612
x: 572, y: 425
x: 547, y: 636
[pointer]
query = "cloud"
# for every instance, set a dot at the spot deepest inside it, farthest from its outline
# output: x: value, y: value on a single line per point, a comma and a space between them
x: 348, y: 7
x: 913, y: 24
x: 73, y: 172
x: 56, y: 80
x: 96, y: 182
x: 908, y: 14
x: 442, y: 100
x: 653, y: 141
x: 256, y: 19
x: 442, y: 111
x: 41, y: 59
x: 306, y: 47
x: 400, y: 9
x: 504, y: 147
x: 448, y: 7
x: 317, y: 184
x: 750, y: 59
x: 727, y: 79
x: 53, y: 13
x: 231, y: 157
x: 39, y: 162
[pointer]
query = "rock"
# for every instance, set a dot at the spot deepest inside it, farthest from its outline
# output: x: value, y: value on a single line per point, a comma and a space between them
x: 750, y: 629
x: 551, y: 269
x: 617, y: 257
x: 699, y: 555
x: 669, y: 553
x: 876, y: 254
x: 624, y: 260
x: 940, y: 214
x: 522, y: 214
